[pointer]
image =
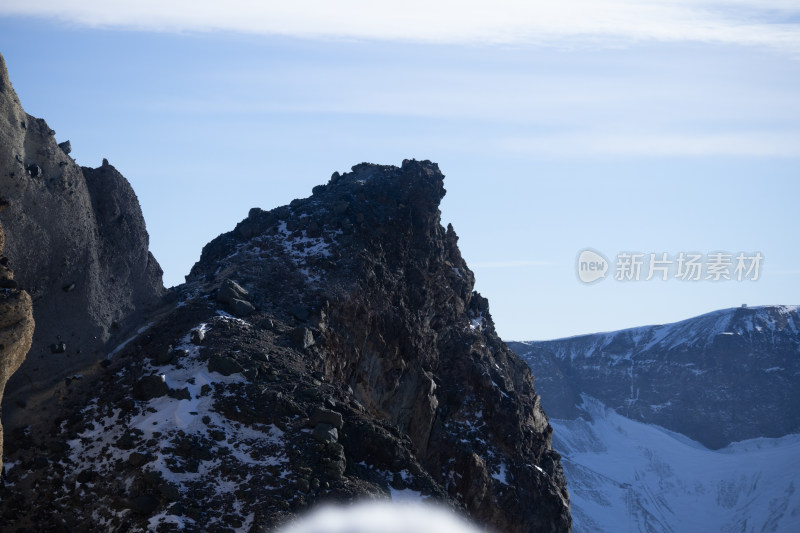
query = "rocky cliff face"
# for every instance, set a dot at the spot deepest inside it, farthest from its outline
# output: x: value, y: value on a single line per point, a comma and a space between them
x: 718, y: 378
x: 77, y: 239
x: 16, y: 325
x: 331, y: 349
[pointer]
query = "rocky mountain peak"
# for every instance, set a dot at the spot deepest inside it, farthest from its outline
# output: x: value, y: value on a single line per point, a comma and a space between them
x: 365, y: 265
x: 371, y: 197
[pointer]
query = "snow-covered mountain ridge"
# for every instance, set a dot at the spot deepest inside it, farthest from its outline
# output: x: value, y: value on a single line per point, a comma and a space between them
x: 722, y: 377
x: 749, y: 323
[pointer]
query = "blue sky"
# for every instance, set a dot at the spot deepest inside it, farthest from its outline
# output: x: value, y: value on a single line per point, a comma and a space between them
x: 652, y: 126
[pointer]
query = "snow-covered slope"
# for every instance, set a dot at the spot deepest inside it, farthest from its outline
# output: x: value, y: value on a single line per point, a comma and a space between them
x: 625, y: 475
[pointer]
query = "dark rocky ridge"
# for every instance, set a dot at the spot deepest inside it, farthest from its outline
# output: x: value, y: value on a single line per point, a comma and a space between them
x: 361, y: 364
x: 77, y: 238
x: 718, y: 378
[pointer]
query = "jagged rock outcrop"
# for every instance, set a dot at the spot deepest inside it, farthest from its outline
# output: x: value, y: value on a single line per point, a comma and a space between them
x: 399, y: 324
x: 718, y: 378
x: 365, y: 366
x: 16, y: 325
x: 77, y: 238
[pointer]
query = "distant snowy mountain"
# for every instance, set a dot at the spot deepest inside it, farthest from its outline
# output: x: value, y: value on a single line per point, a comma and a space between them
x: 626, y: 476
x: 685, y: 427
x: 722, y: 377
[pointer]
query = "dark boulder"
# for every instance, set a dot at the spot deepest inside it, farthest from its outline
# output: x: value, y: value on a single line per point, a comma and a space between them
x: 241, y: 307
x: 302, y: 337
x: 235, y: 298
x: 224, y: 365
x: 150, y: 387
x: 325, y: 433
x: 326, y: 416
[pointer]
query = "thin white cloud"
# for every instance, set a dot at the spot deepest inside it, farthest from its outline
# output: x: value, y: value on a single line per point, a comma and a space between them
x: 680, y: 93
x: 746, y: 144
x: 449, y: 21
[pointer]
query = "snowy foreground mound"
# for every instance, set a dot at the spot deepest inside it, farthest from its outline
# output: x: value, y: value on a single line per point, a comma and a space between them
x: 381, y: 517
x: 625, y: 475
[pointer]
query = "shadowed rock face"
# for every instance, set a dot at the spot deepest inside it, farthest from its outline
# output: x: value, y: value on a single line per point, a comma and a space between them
x: 328, y: 350
x: 77, y: 239
x: 16, y: 326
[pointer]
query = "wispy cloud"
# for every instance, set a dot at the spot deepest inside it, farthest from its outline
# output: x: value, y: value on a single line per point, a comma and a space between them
x: 768, y: 22
x: 687, y: 144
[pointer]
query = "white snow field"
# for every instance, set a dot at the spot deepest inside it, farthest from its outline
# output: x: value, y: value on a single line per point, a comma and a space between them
x: 627, y: 476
